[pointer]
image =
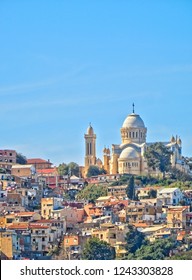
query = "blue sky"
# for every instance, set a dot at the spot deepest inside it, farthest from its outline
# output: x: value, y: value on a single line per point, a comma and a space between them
x: 64, y: 64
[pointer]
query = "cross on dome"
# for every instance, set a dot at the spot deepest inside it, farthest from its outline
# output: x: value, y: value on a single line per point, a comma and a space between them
x: 133, y: 108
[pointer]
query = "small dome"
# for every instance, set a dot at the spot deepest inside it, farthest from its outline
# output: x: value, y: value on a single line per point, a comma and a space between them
x: 105, y: 150
x: 99, y: 161
x: 129, y: 152
x: 133, y: 120
x: 108, y: 151
x: 90, y: 130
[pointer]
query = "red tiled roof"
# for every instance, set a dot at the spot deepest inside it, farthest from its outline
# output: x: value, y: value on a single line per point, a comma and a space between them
x: 178, y: 209
x: 181, y: 235
x: 142, y: 225
x: 37, y: 160
x: 37, y: 226
x: 26, y: 214
x: 18, y: 226
x: 47, y: 171
x: 110, y: 203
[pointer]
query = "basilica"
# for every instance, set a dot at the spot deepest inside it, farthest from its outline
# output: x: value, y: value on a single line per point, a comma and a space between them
x: 128, y: 156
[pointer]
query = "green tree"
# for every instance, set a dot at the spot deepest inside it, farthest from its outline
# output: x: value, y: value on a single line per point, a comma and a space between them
x: 62, y: 169
x: 134, y: 239
x: 130, y: 190
x: 95, y: 170
x: 92, y: 192
x: 71, y: 168
x: 21, y: 159
x: 158, y: 156
x: 152, y: 193
x: 96, y: 249
x: 177, y: 174
x: 158, y: 250
x: 182, y: 256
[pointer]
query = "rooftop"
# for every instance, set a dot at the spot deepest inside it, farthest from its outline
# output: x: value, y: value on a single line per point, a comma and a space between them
x: 37, y: 160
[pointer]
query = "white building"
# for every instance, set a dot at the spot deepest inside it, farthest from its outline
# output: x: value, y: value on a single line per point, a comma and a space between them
x: 169, y: 196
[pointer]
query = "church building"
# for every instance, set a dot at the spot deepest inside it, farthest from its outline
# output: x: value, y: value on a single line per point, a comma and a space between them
x: 128, y: 157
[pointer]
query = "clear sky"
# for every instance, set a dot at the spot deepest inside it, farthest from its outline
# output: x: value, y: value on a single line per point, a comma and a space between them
x: 64, y: 64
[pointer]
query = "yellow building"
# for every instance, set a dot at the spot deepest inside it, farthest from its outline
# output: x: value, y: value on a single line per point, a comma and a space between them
x: 176, y: 216
x: 128, y: 157
x: 110, y: 233
x: 6, y: 245
x: 23, y: 170
x: 90, y: 148
x: 51, y: 207
x: 47, y: 205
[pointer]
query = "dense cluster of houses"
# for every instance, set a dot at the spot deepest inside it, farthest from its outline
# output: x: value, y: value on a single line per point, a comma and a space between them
x: 36, y: 222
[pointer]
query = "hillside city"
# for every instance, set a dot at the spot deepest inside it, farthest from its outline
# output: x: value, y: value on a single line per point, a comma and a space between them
x: 135, y: 203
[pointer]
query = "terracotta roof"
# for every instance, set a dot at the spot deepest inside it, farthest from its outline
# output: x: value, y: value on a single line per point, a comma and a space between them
x: 181, y: 235
x: 26, y: 214
x: 47, y: 170
x: 19, y: 226
x: 177, y: 209
x: 37, y: 226
x: 142, y: 225
x: 110, y: 203
x: 37, y: 160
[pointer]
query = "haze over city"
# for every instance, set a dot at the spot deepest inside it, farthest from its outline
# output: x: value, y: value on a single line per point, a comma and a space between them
x: 65, y: 64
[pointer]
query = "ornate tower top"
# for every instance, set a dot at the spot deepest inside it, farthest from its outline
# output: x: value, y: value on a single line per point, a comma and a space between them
x: 133, y: 129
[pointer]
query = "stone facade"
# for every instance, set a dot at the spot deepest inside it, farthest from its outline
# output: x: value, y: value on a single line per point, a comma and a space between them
x: 128, y: 157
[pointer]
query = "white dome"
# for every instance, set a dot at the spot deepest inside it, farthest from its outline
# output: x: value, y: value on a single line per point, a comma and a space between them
x: 133, y: 120
x: 129, y: 152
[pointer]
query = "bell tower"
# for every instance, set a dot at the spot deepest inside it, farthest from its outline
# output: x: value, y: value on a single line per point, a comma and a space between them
x: 90, y: 148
